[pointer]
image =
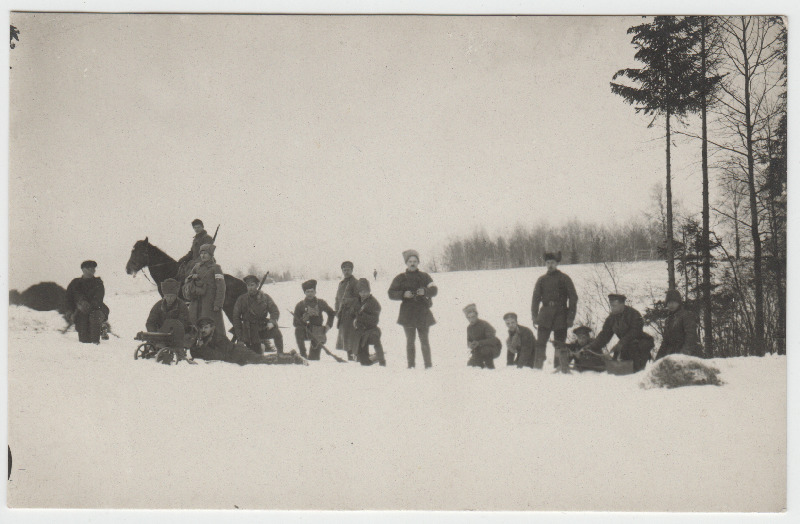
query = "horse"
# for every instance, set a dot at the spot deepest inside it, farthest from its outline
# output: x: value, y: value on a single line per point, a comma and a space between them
x: 162, y: 266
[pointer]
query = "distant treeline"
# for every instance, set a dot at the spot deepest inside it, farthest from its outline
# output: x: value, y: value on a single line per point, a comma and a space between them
x: 578, y: 242
x: 274, y: 276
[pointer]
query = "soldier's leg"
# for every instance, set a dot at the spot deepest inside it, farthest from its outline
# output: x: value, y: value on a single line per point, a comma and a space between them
x: 411, y: 347
x: 542, y: 336
x: 300, y: 338
x: 315, y: 350
x: 277, y: 337
x: 82, y: 326
x: 511, y: 358
x: 426, y: 345
x: 562, y: 352
x: 379, y: 356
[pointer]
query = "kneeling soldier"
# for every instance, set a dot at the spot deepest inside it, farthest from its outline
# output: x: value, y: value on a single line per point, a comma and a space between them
x: 85, y: 306
x: 308, y: 321
x: 627, y: 324
x: 168, y: 307
x: 366, y: 324
x: 255, y: 318
x: 521, y: 343
x: 481, y: 339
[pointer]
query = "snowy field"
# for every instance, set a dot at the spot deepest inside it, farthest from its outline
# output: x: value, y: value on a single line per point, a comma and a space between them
x: 91, y: 427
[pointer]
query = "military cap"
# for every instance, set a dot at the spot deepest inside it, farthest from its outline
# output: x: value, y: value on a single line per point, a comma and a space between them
x: 510, y: 315
x: 251, y: 279
x: 206, y: 320
x: 617, y: 297
x: 470, y: 308
x: 347, y: 263
x: 170, y: 286
x: 197, y: 222
x: 88, y: 263
x: 309, y: 284
x: 585, y: 330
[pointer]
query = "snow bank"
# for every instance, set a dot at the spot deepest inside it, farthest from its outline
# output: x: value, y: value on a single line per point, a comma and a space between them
x: 674, y: 371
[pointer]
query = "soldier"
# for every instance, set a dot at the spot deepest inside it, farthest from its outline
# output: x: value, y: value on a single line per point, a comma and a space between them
x: 627, y: 324
x: 415, y: 289
x: 366, y: 324
x: 345, y: 304
x: 255, y: 318
x: 187, y: 261
x: 521, y: 343
x: 84, y: 304
x: 207, y: 346
x: 205, y: 288
x: 680, y: 328
x: 375, y: 274
x: 584, y: 358
x: 482, y: 340
x: 308, y: 321
x: 556, y: 295
x: 168, y: 307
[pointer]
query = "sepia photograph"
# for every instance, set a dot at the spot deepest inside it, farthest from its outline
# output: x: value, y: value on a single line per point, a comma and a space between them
x: 388, y: 262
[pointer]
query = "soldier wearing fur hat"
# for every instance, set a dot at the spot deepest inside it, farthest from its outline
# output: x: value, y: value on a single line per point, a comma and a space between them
x: 205, y: 288
x: 308, y: 323
x: 201, y: 237
x: 168, y: 307
x: 345, y: 306
x: 680, y: 328
x: 415, y: 289
x: 84, y: 304
x: 366, y: 319
x: 553, y: 308
x: 484, y: 346
x: 627, y: 324
x: 520, y: 343
x: 579, y: 350
x: 255, y: 318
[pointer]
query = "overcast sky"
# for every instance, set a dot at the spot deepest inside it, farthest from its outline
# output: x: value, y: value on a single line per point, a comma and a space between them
x: 314, y: 139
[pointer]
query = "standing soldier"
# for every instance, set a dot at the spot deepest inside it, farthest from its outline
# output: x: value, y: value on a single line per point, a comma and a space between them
x: 482, y: 340
x: 521, y: 343
x: 556, y: 295
x: 308, y: 321
x: 627, y: 324
x: 345, y: 304
x: 366, y: 324
x: 187, y: 261
x: 84, y: 304
x: 205, y: 288
x: 255, y: 318
x: 375, y: 274
x: 415, y: 289
x: 168, y: 307
x: 680, y: 328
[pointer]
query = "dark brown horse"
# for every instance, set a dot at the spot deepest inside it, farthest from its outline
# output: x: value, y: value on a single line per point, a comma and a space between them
x: 162, y: 266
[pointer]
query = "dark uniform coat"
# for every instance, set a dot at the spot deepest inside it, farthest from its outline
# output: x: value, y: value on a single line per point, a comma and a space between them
x: 555, y: 301
x: 207, y: 291
x: 489, y: 345
x: 414, y: 311
x: 345, y: 305
x: 214, y: 348
x: 161, y: 312
x: 523, y: 342
x: 680, y: 334
x: 194, y: 252
x: 634, y: 344
x: 308, y: 312
x: 250, y: 316
x: 367, y: 317
x: 84, y: 303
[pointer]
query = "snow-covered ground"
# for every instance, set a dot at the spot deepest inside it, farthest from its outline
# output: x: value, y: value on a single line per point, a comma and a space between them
x: 91, y: 427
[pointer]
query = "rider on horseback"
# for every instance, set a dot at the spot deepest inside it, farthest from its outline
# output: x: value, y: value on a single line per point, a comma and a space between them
x: 187, y: 262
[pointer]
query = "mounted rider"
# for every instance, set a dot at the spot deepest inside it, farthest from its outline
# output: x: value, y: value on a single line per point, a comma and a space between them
x: 187, y: 261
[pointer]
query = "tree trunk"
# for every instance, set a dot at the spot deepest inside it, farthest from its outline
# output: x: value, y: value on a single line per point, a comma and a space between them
x: 670, y: 247
x: 708, y: 336
x: 758, y: 325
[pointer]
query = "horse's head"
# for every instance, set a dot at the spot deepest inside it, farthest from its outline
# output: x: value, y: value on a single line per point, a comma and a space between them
x: 139, y: 257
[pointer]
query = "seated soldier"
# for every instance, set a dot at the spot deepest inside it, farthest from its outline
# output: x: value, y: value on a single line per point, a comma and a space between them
x: 168, y: 307
x: 255, y: 318
x: 366, y: 324
x: 483, y: 343
x: 208, y: 347
x: 627, y: 324
x: 580, y: 354
x: 521, y: 343
x: 308, y: 323
x: 84, y: 304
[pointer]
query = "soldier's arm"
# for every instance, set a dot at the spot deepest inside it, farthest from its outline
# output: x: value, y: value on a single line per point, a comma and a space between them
x: 338, y: 300
x: 635, y: 331
x: 536, y: 300
x: 274, y: 312
x: 603, y: 337
x: 154, y: 318
x: 430, y: 288
x: 185, y: 258
x: 395, y: 289
x: 237, y: 318
x: 298, y: 315
x: 369, y: 316
x: 489, y: 335
x: 219, y: 280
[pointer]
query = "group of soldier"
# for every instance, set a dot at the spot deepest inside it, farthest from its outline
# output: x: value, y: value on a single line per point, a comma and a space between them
x: 356, y: 313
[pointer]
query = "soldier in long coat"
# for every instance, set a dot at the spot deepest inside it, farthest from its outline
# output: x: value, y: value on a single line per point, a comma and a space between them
x: 255, y: 318
x: 520, y: 344
x: 308, y: 323
x: 482, y: 340
x: 553, y: 308
x: 187, y: 261
x: 168, y: 307
x: 345, y: 306
x: 368, y: 315
x: 415, y: 289
x: 84, y: 304
x: 680, y: 328
x: 627, y: 324
x: 205, y: 288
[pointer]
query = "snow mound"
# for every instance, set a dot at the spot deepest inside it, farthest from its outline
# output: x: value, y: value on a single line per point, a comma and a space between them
x: 21, y: 318
x: 674, y: 371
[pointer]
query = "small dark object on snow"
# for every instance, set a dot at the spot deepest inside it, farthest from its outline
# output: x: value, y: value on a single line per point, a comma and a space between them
x: 44, y: 296
x: 674, y: 371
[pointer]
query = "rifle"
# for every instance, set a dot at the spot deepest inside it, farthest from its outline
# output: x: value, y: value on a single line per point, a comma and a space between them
x: 328, y: 351
x: 215, y: 234
x: 263, y: 280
